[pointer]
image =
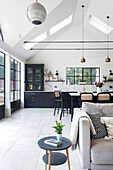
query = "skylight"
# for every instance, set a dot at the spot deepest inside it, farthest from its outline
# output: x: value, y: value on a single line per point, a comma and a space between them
x: 41, y: 37
x: 61, y: 25
x: 97, y: 23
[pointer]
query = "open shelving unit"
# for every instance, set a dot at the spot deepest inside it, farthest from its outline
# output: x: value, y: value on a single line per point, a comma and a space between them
x: 54, y: 80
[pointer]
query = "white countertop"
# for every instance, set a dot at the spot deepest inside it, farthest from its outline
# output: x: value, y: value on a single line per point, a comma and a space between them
x: 78, y: 94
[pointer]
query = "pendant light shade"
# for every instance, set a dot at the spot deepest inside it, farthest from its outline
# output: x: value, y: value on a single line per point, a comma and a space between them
x: 108, y: 58
x: 36, y: 13
x: 83, y: 60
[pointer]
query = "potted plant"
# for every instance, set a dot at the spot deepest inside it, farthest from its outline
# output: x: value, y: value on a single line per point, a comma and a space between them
x: 99, y: 85
x: 58, y: 128
x: 104, y: 77
x: 82, y: 82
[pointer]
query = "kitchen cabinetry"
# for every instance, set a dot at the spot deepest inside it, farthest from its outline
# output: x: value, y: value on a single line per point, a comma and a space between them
x: 42, y: 99
x: 34, y: 77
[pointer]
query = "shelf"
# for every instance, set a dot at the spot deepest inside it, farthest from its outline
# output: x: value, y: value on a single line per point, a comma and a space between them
x: 54, y: 80
x: 108, y: 81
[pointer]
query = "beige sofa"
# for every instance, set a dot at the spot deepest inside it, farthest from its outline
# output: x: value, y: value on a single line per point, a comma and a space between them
x: 95, y: 154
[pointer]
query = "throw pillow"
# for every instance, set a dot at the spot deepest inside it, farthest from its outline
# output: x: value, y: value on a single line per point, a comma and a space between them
x: 108, y: 121
x: 100, y: 129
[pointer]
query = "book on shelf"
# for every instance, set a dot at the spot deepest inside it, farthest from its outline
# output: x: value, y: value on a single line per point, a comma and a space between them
x: 53, y: 142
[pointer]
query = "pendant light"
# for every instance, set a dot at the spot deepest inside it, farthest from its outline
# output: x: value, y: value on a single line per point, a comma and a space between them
x: 107, y: 59
x: 83, y: 60
x: 36, y: 13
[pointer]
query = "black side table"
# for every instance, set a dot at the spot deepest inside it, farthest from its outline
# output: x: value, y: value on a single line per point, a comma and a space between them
x: 55, y: 158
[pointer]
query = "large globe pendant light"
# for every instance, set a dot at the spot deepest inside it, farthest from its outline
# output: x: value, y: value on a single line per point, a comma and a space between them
x: 36, y: 13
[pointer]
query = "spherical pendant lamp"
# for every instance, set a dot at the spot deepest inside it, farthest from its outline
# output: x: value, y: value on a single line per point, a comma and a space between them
x: 36, y: 13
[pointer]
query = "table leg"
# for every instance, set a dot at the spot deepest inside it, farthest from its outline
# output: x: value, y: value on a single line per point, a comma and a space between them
x: 68, y: 158
x: 50, y: 154
x: 71, y: 108
x: 46, y: 164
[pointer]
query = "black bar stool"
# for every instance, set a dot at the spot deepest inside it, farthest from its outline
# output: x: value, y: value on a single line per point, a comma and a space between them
x: 59, y: 103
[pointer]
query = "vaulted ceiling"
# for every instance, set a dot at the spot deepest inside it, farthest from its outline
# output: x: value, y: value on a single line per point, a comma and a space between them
x: 16, y: 27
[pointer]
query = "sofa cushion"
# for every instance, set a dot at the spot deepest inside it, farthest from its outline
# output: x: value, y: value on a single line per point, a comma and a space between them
x: 106, y: 108
x: 99, y: 127
x: 108, y: 121
x: 102, y: 151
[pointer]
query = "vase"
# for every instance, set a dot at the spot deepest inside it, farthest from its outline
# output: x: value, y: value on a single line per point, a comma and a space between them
x: 99, y: 89
x: 59, y: 137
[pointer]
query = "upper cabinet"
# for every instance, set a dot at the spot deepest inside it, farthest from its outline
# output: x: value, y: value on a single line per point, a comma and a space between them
x: 34, y: 77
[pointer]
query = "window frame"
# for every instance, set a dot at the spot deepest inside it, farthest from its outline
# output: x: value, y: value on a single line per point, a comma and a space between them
x: 3, y: 65
x: 83, y: 74
x: 14, y: 79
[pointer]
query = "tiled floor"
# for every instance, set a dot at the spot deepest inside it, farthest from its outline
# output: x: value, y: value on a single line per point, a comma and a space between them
x: 19, y: 135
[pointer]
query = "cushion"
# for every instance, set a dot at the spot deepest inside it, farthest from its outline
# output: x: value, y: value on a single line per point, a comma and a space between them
x: 107, y: 108
x: 108, y: 121
x: 99, y: 127
x: 102, y: 151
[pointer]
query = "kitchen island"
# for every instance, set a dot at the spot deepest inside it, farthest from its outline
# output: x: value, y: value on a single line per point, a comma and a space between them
x: 45, y: 99
x: 77, y: 96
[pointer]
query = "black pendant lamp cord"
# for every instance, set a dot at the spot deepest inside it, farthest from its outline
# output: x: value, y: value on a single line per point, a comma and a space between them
x: 107, y: 38
x: 83, y: 30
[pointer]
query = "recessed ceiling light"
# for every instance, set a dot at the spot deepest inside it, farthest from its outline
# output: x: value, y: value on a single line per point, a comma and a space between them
x: 61, y: 25
x: 41, y: 37
x: 97, y: 23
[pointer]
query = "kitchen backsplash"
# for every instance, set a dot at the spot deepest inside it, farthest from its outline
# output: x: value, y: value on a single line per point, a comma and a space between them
x: 51, y: 86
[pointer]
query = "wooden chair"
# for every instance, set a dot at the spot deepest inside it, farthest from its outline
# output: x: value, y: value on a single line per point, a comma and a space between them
x: 86, y: 97
x: 104, y: 97
x: 59, y: 103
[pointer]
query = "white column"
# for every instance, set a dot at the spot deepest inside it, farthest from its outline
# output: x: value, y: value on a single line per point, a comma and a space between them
x: 22, y: 84
x: 7, y: 86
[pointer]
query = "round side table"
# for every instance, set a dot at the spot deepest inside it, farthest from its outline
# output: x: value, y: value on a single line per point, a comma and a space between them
x: 55, y: 158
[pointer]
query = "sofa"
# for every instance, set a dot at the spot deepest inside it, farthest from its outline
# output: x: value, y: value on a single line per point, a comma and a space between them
x: 94, y: 154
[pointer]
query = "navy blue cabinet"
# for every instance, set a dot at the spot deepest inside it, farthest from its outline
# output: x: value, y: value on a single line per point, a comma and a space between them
x: 42, y: 99
x: 34, y: 77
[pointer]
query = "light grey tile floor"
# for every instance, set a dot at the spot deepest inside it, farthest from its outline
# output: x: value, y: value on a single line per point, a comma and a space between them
x: 19, y: 135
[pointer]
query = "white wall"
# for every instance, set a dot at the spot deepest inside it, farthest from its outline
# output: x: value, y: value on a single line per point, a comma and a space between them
x: 59, y: 60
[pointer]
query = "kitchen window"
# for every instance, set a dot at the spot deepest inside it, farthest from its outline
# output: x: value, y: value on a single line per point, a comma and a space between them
x: 78, y: 75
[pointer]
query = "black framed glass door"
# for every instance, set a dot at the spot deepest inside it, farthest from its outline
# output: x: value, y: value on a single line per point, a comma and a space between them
x: 15, y: 84
x: 2, y: 85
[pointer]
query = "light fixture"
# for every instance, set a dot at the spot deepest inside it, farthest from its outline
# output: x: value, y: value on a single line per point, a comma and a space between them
x: 36, y: 13
x: 107, y: 59
x: 83, y: 60
x: 38, y: 39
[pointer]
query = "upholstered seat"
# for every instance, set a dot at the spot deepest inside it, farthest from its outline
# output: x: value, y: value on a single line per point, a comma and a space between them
x: 98, y: 153
x: 102, y: 151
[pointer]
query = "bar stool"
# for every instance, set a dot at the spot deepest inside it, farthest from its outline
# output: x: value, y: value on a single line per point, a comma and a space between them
x: 104, y: 97
x: 86, y: 97
x: 59, y: 103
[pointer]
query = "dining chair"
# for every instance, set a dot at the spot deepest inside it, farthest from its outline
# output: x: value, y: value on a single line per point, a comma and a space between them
x: 60, y: 102
x: 104, y: 97
x: 86, y: 97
